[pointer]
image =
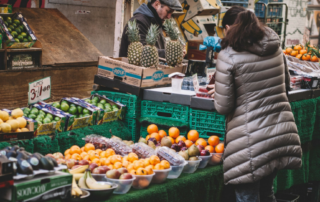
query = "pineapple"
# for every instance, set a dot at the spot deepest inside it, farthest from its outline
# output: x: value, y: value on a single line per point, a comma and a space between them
x: 150, y: 55
x: 135, y: 47
x: 174, y: 52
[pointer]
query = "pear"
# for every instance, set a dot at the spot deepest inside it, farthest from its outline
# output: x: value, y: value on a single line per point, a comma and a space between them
x: 184, y: 154
x: 151, y: 144
x: 193, y: 151
x: 166, y: 142
x: 143, y: 140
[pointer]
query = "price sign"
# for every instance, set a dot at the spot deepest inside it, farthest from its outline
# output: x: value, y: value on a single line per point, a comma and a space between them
x: 39, y: 90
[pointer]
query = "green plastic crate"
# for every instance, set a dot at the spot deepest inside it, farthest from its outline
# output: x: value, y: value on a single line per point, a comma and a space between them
x: 131, y: 101
x: 164, y: 110
x: 207, y: 123
x: 131, y: 124
x: 144, y: 133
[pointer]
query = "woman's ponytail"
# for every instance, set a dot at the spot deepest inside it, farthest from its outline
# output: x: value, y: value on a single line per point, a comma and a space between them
x: 245, y: 31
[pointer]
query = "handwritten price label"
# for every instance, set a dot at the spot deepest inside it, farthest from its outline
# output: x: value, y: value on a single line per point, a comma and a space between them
x: 39, y: 90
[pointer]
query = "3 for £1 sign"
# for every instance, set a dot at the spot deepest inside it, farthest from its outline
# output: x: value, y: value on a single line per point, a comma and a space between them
x: 39, y: 90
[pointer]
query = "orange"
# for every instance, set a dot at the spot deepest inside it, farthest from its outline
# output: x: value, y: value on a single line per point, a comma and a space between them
x: 213, y: 140
x: 93, y: 156
x: 89, y: 147
x: 117, y: 165
x: 103, y: 161
x: 154, y: 160
x: 158, y: 167
x: 219, y: 148
x: 130, y: 166
x: 193, y: 135
x: 146, y: 162
x: 152, y: 128
x: 75, y: 150
x: 98, y: 151
x: 174, y: 132
x: 83, y: 154
x: 147, y: 138
x: 91, y: 152
x: 149, y: 169
x: 141, y: 171
x: 209, y: 148
x: 288, y: 50
x: 202, y: 142
x: 165, y: 164
x: 67, y: 152
x: 189, y: 143
x: 133, y: 172
x: 125, y: 158
x: 87, y: 157
x: 97, y: 161
x: 180, y: 138
x: 108, y: 161
x: 132, y: 157
x: 125, y: 163
x: 115, y: 158
x: 110, y: 166
x: 82, y: 149
x: 110, y: 152
x: 102, y: 154
x: 172, y: 140
x: 76, y: 157
x: 162, y: 133
x: 138, y: 164
x: 156, y: 136
x: 68, y: 156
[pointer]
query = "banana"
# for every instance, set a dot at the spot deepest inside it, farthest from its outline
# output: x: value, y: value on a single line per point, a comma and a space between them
x: 82, y: 181
x: 93, y: 184
x: 75, y: 188
x: 77, y: 176
x: 73, y: 192
x: 80, y: 169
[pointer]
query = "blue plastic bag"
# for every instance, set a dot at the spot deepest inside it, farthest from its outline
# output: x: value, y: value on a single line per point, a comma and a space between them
x: 211, y: 41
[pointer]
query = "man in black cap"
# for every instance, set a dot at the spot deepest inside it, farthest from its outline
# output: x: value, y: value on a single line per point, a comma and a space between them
x: 155, y: 12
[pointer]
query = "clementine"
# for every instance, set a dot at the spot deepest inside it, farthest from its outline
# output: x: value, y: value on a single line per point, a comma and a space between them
x: 115, y: 158
x: 117, y: 165
x: 202, y: 142
x: 87, y: 157
x: 158, y: 167
x: 180, y: 138
x: 165, y: 164
x: 103, y: 161
x: 141, y: 171
x: 75, y: 150
x: 125, y: 163
x: 89, y: 147
x: 76, y: 156
x: 98, y: 151
x: 83, y: 154
x: 68, y: 156
x: 213, y: 140
x: 97, y: 161
x: 152, y: 128
x: 189, y: 143
x: 154, y: 160
x: 67, y: 152
x: 132, y: 157
x: 133, y: 172
x: 156, y: 136
x: 162, y: 133
x: 111, y: 166
x: 149, y: 169
x: 102, y: 154
x: 209, y: 148
x: 147, y: 138
x: 138, y: 164
x: 174, y: 132
x: 82, y: 149
x: 219, y: 148
x: 110, y: 152
x: 193, y: 135
x: 93, y: 156
x: 130, y: 166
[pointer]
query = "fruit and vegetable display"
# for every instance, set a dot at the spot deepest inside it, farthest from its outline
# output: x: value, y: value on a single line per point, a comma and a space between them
x: 71, y: 108
x: 306, y: 53
x: 103, y: 104
x: 17, y: 30
x: 40, y: 116
x: 12, y: 123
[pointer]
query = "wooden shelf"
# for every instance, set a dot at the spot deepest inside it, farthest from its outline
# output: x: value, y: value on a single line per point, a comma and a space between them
x: 23, y: 50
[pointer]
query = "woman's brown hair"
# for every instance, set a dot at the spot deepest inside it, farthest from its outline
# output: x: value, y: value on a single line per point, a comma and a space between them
x: 245, y: 31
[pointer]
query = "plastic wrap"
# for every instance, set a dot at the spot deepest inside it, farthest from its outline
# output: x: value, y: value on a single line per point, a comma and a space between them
x: 119, y: 147
x: 98, y: 141
x: 174, y: 159
x: 142, y: 150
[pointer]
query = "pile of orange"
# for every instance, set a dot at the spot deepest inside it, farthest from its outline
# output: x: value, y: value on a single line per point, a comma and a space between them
x: 306, y: 53
x: 89, y: 153
x: 143, y: 166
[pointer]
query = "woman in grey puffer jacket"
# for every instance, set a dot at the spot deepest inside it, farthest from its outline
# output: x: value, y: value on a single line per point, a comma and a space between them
x: 250, y: 88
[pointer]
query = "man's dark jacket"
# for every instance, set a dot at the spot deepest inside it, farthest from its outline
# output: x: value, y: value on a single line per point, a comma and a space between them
x: 145, y: 15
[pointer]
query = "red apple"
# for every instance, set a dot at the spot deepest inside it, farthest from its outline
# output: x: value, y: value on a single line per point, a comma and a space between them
x: 122, y: 170
x: 96, y: 171
x: 200, y: 147
x: 61, y: 161
x: 77, y: 162
x: 70, y: 163
x: 181, y: 144
x: 125, y: 176
x: 84, y: 162
x: 204, y: 153
x: 113, y: 174
x: 103, y: 169
x: 58, y: 155
x: 93, y: 166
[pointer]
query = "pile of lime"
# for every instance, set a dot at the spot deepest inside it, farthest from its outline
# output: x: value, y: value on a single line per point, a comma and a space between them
x: 77, y: 111
x: 103, y: 104
x: 17, y: 30
x: 40, y: 116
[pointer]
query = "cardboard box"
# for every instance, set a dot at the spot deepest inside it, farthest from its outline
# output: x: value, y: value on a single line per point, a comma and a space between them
x: 166, y: 95
x: 10, y: 42
x: 5, y: 8
x: 39, y: 188
x: 108, y: 116
x: 199, y: 27
x: 119, y: 69
x: 200, y: 7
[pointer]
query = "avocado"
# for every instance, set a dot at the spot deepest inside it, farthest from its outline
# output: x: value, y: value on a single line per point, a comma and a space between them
x: 96, y: 99
x: 24, y: 167
x: 34, y: 162
x: 46, y: 164
x: 53, y: 161
x: 25, y: 40
x: 42, y: 112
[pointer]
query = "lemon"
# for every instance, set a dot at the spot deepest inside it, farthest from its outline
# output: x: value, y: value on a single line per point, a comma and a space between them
x: 14, y: 124
x: 16, y: 113
x: 6, y: 128
x: 4, y: 115
x: 22, y: 122
x: 25, y: 130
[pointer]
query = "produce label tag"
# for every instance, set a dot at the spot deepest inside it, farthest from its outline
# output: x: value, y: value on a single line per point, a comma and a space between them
x: 39, y: 90
x: 195, y: 82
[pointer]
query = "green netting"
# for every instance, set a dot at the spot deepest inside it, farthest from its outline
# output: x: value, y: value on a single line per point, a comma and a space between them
x: 314, y: 174
x: 45, y: 144
x: 133, y: 127
x: 4, y: 144
x: 287, y: 178
x: 117, y: 128
x: 305, y: 116
x: 316, y: 132
x: 27, y: 144
x: 70, y: 138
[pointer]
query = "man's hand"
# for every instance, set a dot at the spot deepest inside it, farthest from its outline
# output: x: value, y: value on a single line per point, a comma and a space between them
x: 211, y: 92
